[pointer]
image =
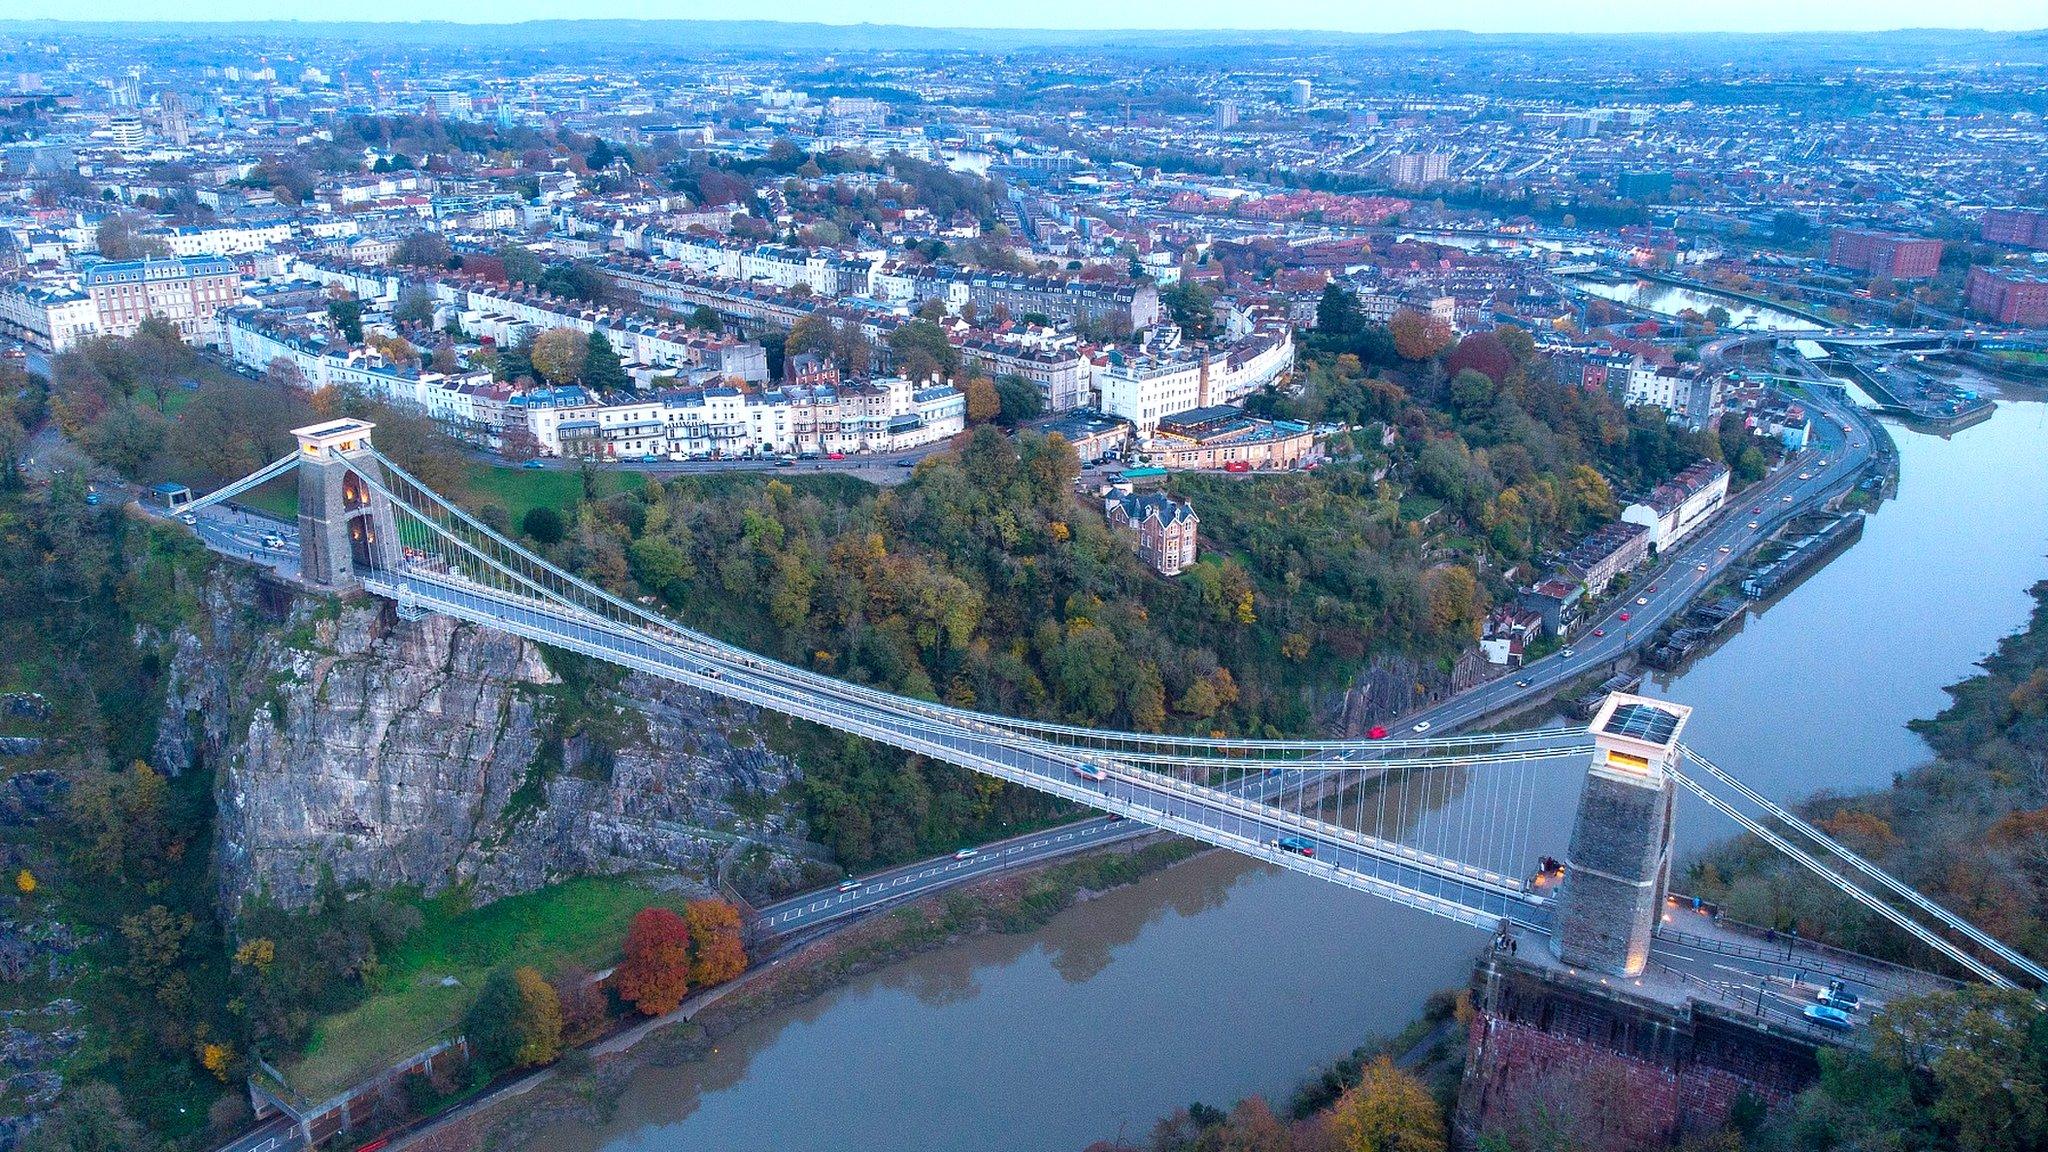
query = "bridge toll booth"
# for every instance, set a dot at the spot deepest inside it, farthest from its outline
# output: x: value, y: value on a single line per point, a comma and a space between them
x: 1619, y: 864
x: 345, y: 526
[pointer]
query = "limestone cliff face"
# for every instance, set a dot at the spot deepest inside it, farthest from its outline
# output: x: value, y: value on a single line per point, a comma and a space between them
x: 383, y: 752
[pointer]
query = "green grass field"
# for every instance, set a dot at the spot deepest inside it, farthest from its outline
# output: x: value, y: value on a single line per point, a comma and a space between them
x: 581, y: 921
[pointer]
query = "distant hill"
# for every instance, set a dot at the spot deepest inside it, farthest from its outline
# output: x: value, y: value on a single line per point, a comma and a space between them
x: 687, y: 36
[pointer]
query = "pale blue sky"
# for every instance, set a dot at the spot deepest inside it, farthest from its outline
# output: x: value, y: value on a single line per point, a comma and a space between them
x: 1337, y: 15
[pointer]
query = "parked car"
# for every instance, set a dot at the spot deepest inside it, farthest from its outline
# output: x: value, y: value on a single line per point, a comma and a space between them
x: 533, y: 464
x: 906, y: 462
x: 1236, y: 466
x: 835, y: 455
x: 785, y: 461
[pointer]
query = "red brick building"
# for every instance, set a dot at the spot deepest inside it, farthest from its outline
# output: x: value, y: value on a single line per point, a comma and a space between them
x: 2009, y: 295
x: 186, y: 290
x: 2023, y: 227
x: 1892, y: 255
x: 1165, y: 529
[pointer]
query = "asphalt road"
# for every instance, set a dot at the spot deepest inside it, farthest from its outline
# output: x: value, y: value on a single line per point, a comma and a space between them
x: 1681, y: 575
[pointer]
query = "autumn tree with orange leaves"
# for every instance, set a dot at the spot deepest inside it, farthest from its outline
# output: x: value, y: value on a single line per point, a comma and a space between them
x: 719, y: 954
x: 655, y: 975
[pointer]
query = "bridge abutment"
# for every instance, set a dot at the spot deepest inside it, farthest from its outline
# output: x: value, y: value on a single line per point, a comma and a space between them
x: 1619, y: 865
x: 345, y: 526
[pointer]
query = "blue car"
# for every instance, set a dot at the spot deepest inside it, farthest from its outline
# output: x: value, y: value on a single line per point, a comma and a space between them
x: 1298, y: 845
x: 1828, y: 1017
x: 533, y: 464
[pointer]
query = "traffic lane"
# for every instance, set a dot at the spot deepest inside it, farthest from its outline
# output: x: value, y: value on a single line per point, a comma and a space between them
x: 1678, y: 585
x: 1148, y: 798
x: 276, y: 1135
x: 933, y: 875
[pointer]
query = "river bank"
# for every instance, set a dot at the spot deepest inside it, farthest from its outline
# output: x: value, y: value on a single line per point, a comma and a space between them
x: 586, y: 1085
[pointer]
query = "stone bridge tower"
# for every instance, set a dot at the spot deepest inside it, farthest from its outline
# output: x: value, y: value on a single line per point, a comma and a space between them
x: 345, y: 526
x: 1619, y: 865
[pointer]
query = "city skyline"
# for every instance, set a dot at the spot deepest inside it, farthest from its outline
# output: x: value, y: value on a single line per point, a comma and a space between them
x: 1583, y: 17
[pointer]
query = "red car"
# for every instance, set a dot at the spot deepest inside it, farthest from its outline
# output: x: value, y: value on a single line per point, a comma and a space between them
x: 1237, y: 466
x: 1623, y: 617
x: 1377, y: 732
x: 835, y: 455
x: 1599, y: 631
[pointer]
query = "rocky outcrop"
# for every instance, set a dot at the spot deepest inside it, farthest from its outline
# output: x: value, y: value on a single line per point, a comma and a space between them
x: 348, y: 743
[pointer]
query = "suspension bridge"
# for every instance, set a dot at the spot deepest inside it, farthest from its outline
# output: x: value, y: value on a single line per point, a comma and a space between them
x: 1441, y: 822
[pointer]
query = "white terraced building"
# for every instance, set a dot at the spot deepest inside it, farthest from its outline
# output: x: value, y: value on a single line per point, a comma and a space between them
x: 1145, y: 389
x: 50, y: 316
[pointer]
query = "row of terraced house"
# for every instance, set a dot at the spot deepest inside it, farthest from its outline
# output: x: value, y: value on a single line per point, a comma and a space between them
x: 890, y: 414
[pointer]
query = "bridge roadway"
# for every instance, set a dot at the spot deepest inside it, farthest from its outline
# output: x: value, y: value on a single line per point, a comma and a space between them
x: 1233, y: 818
